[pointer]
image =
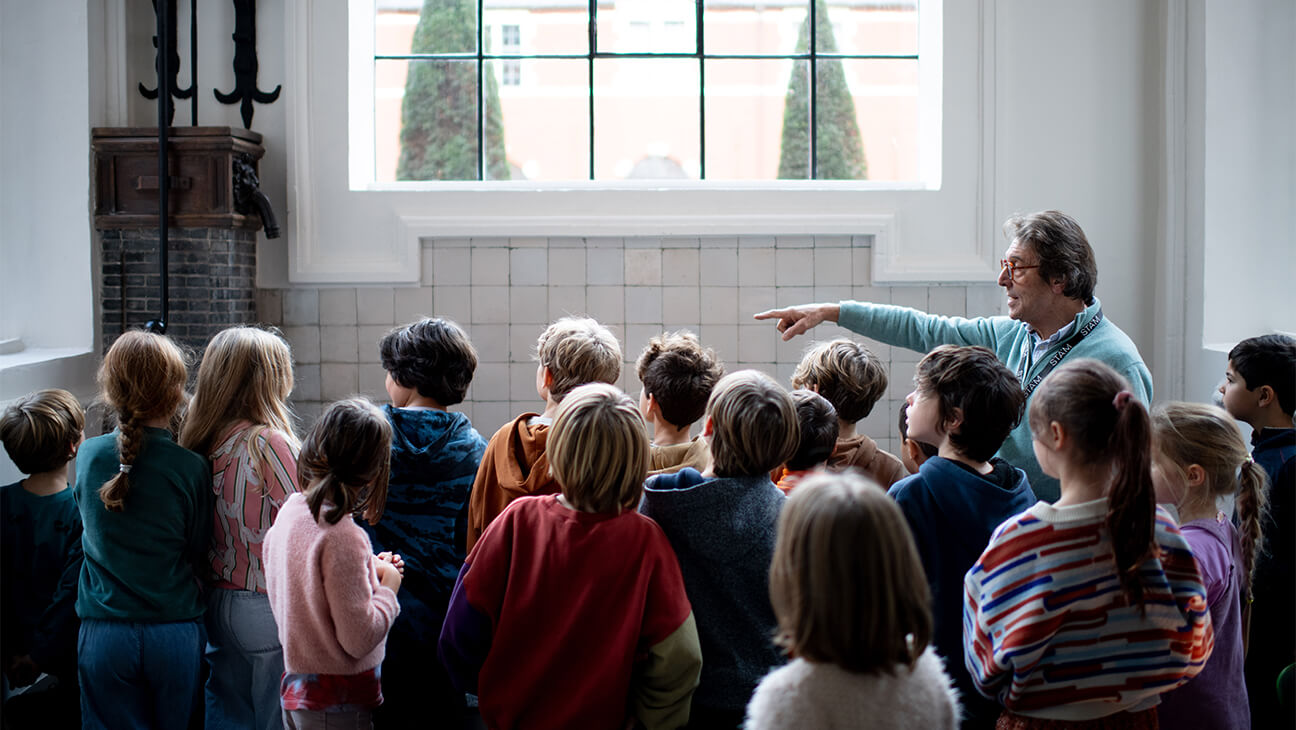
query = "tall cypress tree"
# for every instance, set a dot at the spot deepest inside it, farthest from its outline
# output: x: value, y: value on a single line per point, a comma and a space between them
x: 839, y: 148
x: 439, y: 113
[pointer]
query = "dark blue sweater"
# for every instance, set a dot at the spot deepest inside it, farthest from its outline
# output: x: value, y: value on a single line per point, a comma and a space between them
x: 952, y: 511
x: 723, y: 533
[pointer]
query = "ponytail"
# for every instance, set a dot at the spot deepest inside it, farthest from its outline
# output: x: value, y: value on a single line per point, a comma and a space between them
x: 345, y: 461
x: 1250, y: 506
x: 1110, y: 427
x: 1131, y: 515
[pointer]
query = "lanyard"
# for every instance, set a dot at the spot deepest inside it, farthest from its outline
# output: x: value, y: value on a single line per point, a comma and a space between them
x: 1057, y: 356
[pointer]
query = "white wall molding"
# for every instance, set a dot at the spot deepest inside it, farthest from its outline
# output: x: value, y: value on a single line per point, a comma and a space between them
x: 1170, y: 350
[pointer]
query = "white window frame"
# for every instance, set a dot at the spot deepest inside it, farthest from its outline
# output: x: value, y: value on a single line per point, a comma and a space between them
x: 344, y: 227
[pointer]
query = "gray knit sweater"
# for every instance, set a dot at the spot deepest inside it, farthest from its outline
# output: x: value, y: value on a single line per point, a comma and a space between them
x: 723, y: 533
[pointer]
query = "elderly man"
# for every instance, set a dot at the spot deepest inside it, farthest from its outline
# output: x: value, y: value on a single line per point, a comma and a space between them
x: 1049, y: 275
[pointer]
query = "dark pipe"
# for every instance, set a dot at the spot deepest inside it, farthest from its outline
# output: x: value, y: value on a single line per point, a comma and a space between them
x: 268, y: 221
x: 159, y: 325
x: 193, y: 62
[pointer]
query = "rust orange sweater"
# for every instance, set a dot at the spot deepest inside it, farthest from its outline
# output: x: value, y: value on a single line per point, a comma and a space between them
x: 515, y: 465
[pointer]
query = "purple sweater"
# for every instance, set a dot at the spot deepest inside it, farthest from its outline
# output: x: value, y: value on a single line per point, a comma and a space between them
x: 1216, y: 698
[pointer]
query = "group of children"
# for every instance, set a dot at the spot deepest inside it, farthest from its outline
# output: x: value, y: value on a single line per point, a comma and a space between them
x: 595, y: 565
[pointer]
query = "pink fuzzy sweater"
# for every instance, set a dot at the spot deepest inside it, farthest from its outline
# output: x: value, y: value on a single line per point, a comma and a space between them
x: 332, y: 613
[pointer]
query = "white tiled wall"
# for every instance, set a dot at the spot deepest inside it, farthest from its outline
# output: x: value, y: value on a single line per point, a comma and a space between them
x: 504, y: 292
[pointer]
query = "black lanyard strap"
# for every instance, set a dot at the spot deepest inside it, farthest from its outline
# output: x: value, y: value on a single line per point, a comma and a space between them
x: 1061, y: 352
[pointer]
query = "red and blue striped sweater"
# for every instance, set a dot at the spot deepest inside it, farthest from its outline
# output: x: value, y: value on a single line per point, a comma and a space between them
x: 1049, y: 633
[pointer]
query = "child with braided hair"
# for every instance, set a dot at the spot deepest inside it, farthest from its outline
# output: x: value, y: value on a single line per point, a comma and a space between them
x: 146, y: 508
x: 1199, y: 457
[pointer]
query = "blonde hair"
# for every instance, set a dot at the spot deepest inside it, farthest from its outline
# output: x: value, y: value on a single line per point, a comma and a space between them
x: 345, y: 461
x: 598, y: 449
x: 576, y: 351
x: 39, y: 429
x: 1195, y: 433
x: 845, y: 372
x: 846, y: 583
x: 142, y: 379
x: 754, y: 424
x: 246, y: 375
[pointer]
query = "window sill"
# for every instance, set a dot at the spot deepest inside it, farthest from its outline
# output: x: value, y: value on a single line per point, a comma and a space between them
x: 70, y: 368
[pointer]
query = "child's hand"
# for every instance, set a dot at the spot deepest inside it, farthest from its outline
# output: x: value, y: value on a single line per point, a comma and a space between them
x: 394, y: 559
x: 22, y: 671
x: 388, y: 575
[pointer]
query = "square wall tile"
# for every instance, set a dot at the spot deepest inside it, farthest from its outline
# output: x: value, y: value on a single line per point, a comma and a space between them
x: 606, y: 303
x: 719, y: 305
x: 528, y: 242
x: 301, y: 307
x: 269, y: 306
x: 453, y: 302
x: 305, y: 343
x: 681, y: 304
x: 522, y: 382
x: 791, y: 296
x: 528, y: 266
x: 754, y: 299
x: 368, y: 336
x: 490, y: 304
x: 910, y: 296
x: 427, y: 265
x: 338, y: 343
x: 567, y: 266
x: 605, y: 266
x: 985, y: 301
x: 680, y: 267
x: 411, y: 303
x: 637, y: 336
x: 491, y: 381
x: 528, y: 304
x: 643, y: 266
x: 832, y: 266
x: 565, y: 301
x: 490, y: 266
x: 794, y: 267
x: 949, y: 301
x: 337, y: 306
x: 307, y: 413
x: 375, y: 305
x: 861, y: 266
x: 451, y: 267
x: 756, y: 267
x: 491, y: 342
x: 873, y: 294
x: 756, y: 343
x: 523, y: 340
x: 718, y: 266
x: 643, y: 305
x: 373, y: 381
x: 306, y: 382
x: 338, y: 381
x: 490, y: 416
x: 723, y: 338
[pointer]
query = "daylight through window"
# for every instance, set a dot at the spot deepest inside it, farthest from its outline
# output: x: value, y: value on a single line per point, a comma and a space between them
x: 602, y: 90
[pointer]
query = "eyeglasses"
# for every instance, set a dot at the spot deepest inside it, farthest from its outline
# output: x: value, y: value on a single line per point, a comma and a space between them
x: 1014, y: 268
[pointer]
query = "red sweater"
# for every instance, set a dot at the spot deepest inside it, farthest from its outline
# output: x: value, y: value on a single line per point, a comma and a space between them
x: 570, y: 619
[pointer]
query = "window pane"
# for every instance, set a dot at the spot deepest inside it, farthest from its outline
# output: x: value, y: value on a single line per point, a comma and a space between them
x: 648, y: 26
x: 426, y: 127
x: 516, y: 28
x: 545, y: 117
x: 646, y: 119
x: 867, y: 119
x: 867, y: 29
x: 752, y: 120
x: 439, y: 26
x: 735, y: 26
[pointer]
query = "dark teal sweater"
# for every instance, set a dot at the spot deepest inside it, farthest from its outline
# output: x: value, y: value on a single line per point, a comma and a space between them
x: 142, y: 564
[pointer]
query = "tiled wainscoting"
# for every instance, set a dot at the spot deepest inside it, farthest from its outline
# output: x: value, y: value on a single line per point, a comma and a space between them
x: 505, y: 290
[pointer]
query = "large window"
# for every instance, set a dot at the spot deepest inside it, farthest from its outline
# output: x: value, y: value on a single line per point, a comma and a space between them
x: 562, y: 91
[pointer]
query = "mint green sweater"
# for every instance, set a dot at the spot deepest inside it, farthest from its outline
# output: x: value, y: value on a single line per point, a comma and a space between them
x: 1009, y: 339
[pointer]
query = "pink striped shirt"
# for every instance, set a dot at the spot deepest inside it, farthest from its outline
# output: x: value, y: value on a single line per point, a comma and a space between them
x: 249, y: 491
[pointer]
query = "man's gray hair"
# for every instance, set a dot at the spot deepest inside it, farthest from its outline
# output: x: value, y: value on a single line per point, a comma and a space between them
x: 1062, y: 249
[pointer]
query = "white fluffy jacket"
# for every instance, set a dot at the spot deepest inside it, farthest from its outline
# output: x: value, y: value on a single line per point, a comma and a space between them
x: 805, y: 694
